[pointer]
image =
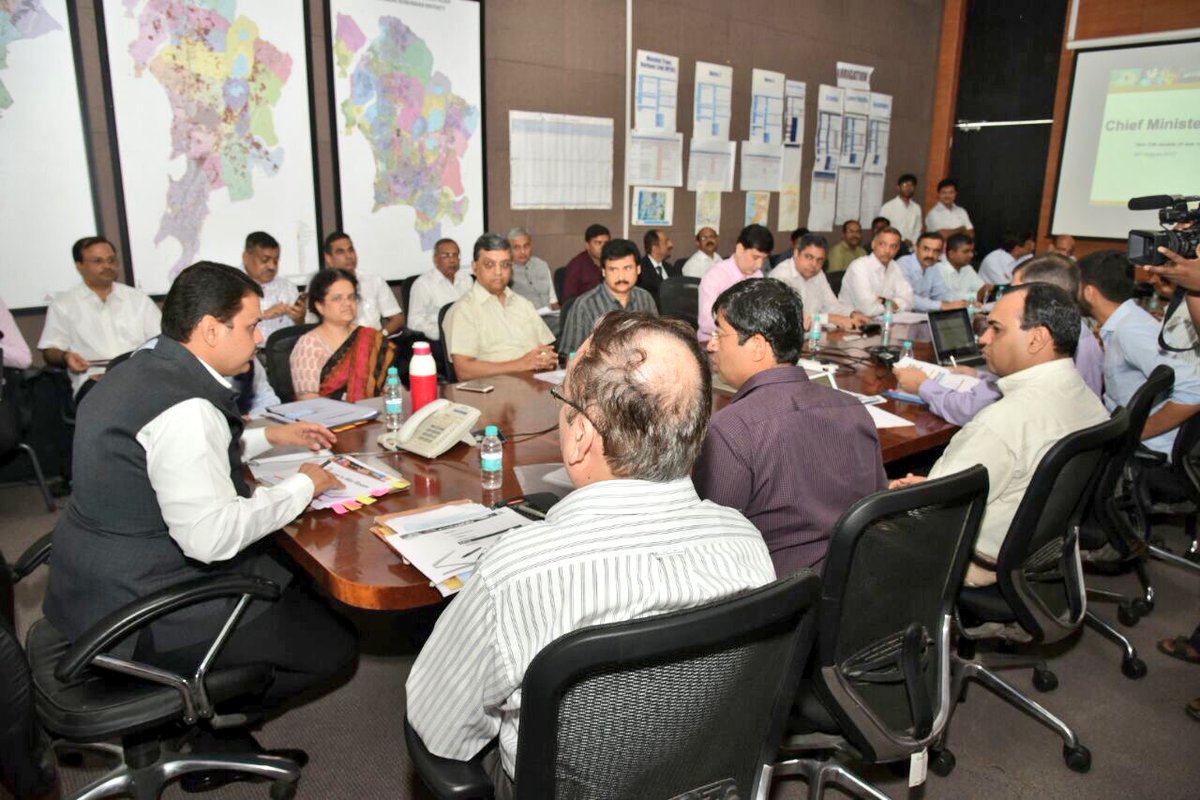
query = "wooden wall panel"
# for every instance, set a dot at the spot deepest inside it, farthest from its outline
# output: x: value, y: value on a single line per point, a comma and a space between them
x: 945, y: 100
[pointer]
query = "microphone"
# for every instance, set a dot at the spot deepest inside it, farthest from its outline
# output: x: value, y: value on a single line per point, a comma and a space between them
x: 1151, y: 202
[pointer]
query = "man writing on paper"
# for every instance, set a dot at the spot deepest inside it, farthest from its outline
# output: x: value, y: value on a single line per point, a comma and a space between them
x: 633, y: 539
x: 159, y: 497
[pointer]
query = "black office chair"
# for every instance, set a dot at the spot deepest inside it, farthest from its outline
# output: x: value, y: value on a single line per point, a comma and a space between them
x: 680, y: 298
x: 878, y: 689
x: 1039, y: 580
x: 560, y: 280
x: 80, y: 701
x: 1178, y: 482
x: 14, y: 422
x: 835, y: 280
x: 406, y: 291
x: 442, y: 353
x: 1114, y: 522
x: 279, y: 350
x: 689, y: 704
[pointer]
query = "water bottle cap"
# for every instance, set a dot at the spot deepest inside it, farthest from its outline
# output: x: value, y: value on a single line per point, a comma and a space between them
x: 421, y: 348
x: 392, y: 371
x: 908, y: 343
x: 491, y: 430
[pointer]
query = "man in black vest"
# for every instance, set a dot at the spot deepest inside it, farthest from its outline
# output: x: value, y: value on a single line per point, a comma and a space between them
x: 159, y: 497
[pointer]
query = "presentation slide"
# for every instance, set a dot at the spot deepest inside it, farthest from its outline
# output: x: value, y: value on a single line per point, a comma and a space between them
x: 1133, y: 129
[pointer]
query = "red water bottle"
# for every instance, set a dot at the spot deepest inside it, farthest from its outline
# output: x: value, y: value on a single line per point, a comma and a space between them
x: 422, y: 376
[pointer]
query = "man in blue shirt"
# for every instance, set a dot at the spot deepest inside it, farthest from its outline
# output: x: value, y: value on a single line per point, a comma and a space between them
x: 1131, y: 350
x: 930, y: 292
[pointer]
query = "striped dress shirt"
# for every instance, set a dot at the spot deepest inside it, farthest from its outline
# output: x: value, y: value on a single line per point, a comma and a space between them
x: 594, y: 304
x: 611, y: 551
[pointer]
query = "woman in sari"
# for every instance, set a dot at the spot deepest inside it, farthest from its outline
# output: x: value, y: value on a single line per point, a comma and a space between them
x: 339, y: 358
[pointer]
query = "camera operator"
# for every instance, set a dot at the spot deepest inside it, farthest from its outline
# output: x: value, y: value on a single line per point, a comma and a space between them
x: 1179, y: 330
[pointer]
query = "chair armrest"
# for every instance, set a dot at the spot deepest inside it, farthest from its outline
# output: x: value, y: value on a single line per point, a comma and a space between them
x: 1144, y: 456
x: 124, y: 621
x: 33, y: 557
x: 446, y: 778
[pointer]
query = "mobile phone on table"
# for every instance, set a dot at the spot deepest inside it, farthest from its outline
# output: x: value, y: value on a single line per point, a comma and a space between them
x: 476, y: 386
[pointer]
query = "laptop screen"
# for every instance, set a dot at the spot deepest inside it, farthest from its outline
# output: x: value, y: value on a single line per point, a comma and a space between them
x: 952, y: 334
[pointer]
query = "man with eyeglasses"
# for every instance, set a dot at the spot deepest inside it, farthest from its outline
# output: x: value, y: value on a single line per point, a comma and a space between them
x: 619, y: 292
x: 440, y: 286
x: 97, y: 320
x: 632, y: 540
x: 492, y: 330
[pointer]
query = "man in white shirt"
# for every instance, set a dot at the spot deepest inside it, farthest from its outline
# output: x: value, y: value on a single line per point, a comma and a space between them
x: 531, y: 275
x: 377, y: 305
x: 876, y: 280
x: 1032, y: 335
x: 946, y: 217
x: 438, y: 287
x: 98, y: 320
x: 960, y: 277
x: 996, y: 269
x: 804, y: 274
x: 699, y: 262
x: 281, y: 303
x: 635, y: 513
x: 904, y: 212
x: 159, y: 499
x: 1064, y: 245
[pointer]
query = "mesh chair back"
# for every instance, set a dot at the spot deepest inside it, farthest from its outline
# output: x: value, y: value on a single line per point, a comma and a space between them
x: 1185, y: 455
x: 1038, y: 570
x: 560, y: 280
x: 686, y: 704
x: 1107, y: 520
x: 406, y: 291
x: 835, y: 280
x: 680, y: 297
x: 896, y: 563
x: 279, y: 351
x: 447, y: 365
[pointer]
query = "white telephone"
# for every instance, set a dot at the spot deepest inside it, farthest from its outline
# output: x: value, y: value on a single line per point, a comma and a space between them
x: 434, y: 429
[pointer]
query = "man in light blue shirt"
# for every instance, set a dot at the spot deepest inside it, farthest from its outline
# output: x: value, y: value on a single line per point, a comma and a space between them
x: 930, y: 292
x: 1131, y: 350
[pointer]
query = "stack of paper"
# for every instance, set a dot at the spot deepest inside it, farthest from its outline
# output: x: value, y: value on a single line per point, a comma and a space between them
x: 363, y: 484
x: 951, y: 380
x: 323, y: 410
x: 445, y: 542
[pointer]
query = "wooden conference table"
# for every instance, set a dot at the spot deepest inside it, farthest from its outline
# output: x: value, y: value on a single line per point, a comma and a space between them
x: 356, y: 567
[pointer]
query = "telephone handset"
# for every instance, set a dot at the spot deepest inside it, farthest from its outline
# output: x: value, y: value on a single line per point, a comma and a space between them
x: 434, y: 429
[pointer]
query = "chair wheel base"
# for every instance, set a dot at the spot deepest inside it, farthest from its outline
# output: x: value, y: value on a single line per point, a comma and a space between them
x: 283, y: 790
x: 1079, y: 759
x: 942, y: 762
x: 1127, y: 614
x: 1044, y: 680
x: 1143, y: 606
x: 1133, y: 668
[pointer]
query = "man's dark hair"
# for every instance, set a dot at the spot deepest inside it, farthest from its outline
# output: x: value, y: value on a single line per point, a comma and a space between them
x: 261, y: 239
x: 595, y: 230
x: 442, y: 241
x: 812, y: 240
x: 649, y: 241
x: 929, y: 235
x: 652, y: 428
x: 944, y: 182
x: 1014, y: 238
x: 756, y: 237
x: 796, y: 234
x: 850, y: 222
x: 335, y: 236
x: 618, y: 248
x: 767, y: 307
x: 959, y: 241
x: 86, y: 242
x: 1049, y: 306
x: 204, y: 289
x: 889, y: 229
x: 1111, y: 272
x: 880, y: 222
x: 490, y: 241
x: 1050, y: 268
x: 905, y: 178
x: 318, y: 287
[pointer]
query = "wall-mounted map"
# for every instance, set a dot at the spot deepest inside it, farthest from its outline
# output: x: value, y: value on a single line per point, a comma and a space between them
x: 46, y: 200
x: 408, y: 110
x: 211, y: 101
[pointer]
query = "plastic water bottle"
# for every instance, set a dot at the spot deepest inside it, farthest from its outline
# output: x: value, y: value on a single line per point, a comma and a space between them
x: 393, y: 400
x: 422, y: 376
x: 886, y: 333
x: 491, y: 457
x: 814, y: 341
x: 906, y: 350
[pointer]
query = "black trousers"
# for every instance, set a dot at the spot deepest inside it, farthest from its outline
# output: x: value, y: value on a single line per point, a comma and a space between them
x: 299, y: 636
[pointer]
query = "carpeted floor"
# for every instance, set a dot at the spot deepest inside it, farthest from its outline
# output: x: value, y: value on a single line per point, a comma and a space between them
x: 1141, y: 740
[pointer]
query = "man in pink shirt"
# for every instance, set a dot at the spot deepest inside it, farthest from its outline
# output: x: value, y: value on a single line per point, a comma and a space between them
x: 754, y: 246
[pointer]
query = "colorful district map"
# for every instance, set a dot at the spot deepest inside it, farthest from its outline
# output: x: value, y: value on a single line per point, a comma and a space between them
x: 223, y: 82
x: 20, y: 19
x: 417, y: 128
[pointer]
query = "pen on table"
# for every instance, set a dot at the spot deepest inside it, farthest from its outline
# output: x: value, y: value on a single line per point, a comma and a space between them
x: 953, y: 363
x: 348, y: 426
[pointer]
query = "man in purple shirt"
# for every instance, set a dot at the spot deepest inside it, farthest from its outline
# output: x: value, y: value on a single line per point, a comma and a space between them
x: 960, y: 408
x: 790, y: 454
x: 754, y: 245
x: 583, y: 272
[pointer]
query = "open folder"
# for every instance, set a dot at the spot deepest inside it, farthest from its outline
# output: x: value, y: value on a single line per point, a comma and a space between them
x: 328, y: 412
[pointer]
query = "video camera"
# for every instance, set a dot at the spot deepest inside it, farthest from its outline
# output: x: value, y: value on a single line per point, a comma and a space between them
x: 1172, y: 209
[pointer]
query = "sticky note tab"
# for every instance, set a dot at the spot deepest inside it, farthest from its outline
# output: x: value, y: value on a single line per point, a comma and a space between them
x: 398, y: 484
x: 338, y: 508
x: 352, y: 506
x: 365, y: 500
x: 380, y: 492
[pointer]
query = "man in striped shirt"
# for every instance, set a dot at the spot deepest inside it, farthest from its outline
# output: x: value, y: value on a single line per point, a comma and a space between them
x: 633, y: 540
